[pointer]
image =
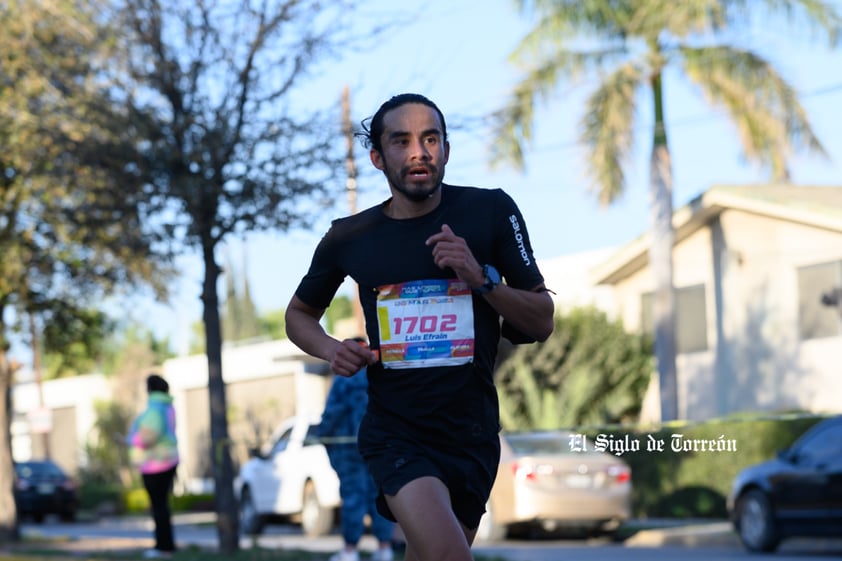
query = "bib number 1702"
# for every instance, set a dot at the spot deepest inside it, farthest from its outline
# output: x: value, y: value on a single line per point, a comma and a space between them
x: 408, y: 325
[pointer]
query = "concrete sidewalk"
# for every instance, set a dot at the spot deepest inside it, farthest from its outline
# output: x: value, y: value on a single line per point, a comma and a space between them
x: 651, y: 533
x: 691, y: 533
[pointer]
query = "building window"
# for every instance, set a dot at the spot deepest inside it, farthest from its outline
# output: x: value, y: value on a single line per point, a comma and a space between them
x: 690, y: 317
x: 818, y: 287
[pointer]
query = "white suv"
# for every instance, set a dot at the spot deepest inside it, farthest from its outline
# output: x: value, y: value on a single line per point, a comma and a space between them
x: 290, y: 477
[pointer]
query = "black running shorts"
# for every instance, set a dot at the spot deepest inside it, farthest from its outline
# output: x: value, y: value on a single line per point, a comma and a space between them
x: 396, y: 458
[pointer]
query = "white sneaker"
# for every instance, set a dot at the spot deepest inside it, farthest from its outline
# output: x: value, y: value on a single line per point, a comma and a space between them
x: 344, y: 555
x: 383, y: 554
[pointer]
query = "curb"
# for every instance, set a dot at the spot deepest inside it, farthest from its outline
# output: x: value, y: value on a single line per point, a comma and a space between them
x: 703, y: 534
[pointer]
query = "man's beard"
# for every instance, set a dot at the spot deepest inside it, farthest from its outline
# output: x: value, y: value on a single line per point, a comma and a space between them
x: 417, y: 194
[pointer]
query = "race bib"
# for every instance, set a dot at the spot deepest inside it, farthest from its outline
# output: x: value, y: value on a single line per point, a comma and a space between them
x: 425, y: 323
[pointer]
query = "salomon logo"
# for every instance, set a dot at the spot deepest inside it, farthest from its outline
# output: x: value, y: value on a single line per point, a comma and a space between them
x: 519, y: 239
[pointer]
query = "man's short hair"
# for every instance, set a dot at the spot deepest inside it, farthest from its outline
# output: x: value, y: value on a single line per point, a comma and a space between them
x: 373, y: 126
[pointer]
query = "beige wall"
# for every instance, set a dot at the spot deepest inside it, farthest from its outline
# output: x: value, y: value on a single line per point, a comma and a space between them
x: 755, y: 360
x: 256, y: 407
x: 72, y: 415
x: 60, y: 443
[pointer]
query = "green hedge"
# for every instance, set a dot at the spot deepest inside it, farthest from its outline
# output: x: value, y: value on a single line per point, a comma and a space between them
x: 193, y: 503
x: 94, y: 496
x: 137, y: 501
x: 114, y: 499
x: 695, y: 484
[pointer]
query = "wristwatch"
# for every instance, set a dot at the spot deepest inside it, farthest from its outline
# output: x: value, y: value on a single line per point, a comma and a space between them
x: 492, y: 279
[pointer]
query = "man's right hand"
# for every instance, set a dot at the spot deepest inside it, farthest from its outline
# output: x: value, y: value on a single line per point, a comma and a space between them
x: 350, y: 357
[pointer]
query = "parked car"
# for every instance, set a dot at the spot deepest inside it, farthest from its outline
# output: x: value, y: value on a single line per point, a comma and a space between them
x: 289, y: 478
x: 797, y: 493
x: 42, y: 488
x: 542, y: 482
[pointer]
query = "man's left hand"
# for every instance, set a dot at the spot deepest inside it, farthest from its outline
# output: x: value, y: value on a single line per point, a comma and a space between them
x: 452, y: 251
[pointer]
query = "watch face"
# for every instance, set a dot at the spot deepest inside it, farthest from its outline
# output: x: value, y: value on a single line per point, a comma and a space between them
x: 493, y: 275
x: 492, y: 279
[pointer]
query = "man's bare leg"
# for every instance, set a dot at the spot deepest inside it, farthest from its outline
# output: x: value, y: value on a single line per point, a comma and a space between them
x: 432, y: 531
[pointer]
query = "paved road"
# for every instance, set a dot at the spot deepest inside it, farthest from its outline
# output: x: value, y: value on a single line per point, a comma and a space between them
x: 696, y: 542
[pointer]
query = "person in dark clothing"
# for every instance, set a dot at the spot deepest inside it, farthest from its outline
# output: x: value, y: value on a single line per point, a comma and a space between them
x: 344, y: 409
x: 443, y: 271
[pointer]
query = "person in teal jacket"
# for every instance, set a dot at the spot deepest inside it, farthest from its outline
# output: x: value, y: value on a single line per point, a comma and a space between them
x: 153, y: 450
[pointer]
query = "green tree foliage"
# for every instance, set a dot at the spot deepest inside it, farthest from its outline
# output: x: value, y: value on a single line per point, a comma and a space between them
x: 273, y: 324
x: 629, y: 47
x: 133, y: 350
x: 196, y: 346
x: 340, y: 308
x: 589, y: 372
x: 240, y: 321
x: 76, y: 339
x: 228, y: 151
x: 70, y: 207
x: 106, y: 450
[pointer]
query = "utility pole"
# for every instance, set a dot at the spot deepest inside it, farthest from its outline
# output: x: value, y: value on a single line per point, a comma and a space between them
x: 42, y: 414
x: 351, y: 188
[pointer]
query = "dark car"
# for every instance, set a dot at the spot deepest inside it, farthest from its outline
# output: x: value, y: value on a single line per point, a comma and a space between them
x: 42, y: 488
x: 798, y: 493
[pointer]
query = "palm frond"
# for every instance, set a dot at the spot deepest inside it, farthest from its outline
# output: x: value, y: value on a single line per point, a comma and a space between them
x: 512, y: 128
x: 813, y: 16
x: 607, y: 130
x: 653, y: 18
x: 764, y: 107
x: 512, y: 125
x: 607, y: 18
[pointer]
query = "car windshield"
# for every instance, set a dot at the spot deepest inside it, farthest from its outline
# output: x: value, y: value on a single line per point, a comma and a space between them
x: 554, y: 444
x: 821, y: 444
x: 38, y: 469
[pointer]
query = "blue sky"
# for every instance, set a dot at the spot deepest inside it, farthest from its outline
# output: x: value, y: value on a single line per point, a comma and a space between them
x: 456, y: 54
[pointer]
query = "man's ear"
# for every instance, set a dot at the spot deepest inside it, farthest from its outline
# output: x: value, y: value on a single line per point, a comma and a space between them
x: 376, y: 159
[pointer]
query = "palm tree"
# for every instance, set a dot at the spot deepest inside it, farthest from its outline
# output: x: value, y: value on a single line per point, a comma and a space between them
x: 627, y: 45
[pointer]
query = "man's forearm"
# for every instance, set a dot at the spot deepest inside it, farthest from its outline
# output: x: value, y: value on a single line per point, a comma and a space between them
x: 527, y: 311
x: 308, y: 334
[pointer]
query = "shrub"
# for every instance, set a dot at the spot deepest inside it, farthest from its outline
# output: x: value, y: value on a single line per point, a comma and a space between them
x: 193, y: 503
x: 696, y: 483
x: 101, y: 497
x: 589, y: 372
x: 136, y: 501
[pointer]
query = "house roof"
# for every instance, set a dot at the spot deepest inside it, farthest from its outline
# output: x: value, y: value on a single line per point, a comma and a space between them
x: 816, y: 206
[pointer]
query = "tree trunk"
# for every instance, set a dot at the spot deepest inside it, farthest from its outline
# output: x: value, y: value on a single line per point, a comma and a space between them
x: 227, y: 521
x: 660, y: 259
x: 9, y: 529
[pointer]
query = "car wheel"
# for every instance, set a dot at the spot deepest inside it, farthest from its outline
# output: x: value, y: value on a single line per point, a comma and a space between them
x: 756, y: 526
x: 251, y: 522
x: 68, y: 515
x: 490, y: 530
x: 316, y: 519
